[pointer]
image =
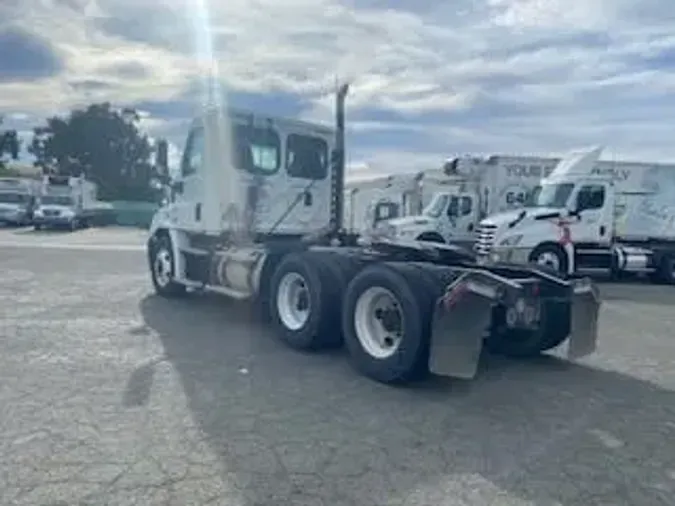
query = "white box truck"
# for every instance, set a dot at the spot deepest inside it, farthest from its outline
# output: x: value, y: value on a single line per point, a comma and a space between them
x: 590, y: 216
x: 65, y: 201
x: 466, y: 190
x: 256, y: 213
x: 368, y: 202
x: 17, y: 200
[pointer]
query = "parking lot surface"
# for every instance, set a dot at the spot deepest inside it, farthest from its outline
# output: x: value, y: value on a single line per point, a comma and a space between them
x: 111, y: 396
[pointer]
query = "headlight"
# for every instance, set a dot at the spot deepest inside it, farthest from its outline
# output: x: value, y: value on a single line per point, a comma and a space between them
x: 385, y: 230
x: 511, y: 240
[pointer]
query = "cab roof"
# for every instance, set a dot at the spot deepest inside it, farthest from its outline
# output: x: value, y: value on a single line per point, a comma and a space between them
x: 241, y: 116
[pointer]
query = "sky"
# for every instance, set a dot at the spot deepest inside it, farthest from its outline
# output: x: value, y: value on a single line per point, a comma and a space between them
x: 430, y: 79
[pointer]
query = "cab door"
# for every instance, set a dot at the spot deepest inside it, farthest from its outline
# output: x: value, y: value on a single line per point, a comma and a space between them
x: 592, y: 213
x: 308, y: 169
x: 186, y: 210
x: 459, y: 220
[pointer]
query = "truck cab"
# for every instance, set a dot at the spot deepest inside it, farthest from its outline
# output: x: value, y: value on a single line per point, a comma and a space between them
x: 451, y: 205
x: 571, y: 211
x: 17, y: 201
x: 370, y: 202
x: 283, y: 164
x: 64, y: 201
x: 449, y: 217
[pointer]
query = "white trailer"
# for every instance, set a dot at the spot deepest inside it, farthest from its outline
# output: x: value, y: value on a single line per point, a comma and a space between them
x: 256, y: 213
x: 591, y: 216
x: 368, y: 202
x: 17, y: 200
x: 466, y: 190
x: 65, y: 201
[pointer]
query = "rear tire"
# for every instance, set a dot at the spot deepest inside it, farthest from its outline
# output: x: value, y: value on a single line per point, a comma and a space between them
x: 386, y: 320
x: 521, y: 343
x: 305, y: 302
x: 665, y: 273
x: 163, y: 268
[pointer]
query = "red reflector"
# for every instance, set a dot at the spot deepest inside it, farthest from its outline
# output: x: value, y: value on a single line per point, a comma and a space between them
x: 535, y: 289
x: 452, y: 297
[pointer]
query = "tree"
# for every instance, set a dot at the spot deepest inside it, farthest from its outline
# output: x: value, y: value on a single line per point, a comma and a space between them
x: 102, y: 143
x: 10, y: 145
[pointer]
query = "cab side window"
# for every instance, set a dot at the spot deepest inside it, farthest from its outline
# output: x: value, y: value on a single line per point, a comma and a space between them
x: 306, y: 157
x: 466, y: 206
x: 193, y: 158
x: 258, y: 150
x: 453, y: 207
x: 385, y: 211
x: 591, y: 197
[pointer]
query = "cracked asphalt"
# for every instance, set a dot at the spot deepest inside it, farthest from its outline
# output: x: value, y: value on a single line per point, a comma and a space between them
x: 111, y: 396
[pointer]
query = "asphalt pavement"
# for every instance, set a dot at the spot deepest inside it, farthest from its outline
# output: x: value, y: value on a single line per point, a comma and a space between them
x: 112, y: 396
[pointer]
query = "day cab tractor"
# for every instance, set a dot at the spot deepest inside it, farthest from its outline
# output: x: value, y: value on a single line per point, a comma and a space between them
x: 256, y: 213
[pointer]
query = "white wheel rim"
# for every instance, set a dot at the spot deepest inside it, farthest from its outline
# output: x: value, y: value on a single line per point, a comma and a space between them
x: 162, y: 267
x: 293, y: 301
x: 378, y: 322
x: 549, y: 259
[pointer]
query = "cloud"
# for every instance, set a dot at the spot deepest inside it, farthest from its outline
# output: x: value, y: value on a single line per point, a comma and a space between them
x: 430, y: 79
x: 26, y: 56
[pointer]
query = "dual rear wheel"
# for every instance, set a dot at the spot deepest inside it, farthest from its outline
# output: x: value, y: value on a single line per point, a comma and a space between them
x: 382, y: 311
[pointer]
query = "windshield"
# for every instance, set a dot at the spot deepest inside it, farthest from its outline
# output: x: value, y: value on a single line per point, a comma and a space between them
x: 13, y: 198
x: 436, y: 206
x: 550, y: 195
x: 57, y: 200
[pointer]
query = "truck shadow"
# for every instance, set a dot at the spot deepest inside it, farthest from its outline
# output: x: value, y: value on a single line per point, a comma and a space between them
x: 640, y: 291
x: 44, y: 231
x: 294, y: 428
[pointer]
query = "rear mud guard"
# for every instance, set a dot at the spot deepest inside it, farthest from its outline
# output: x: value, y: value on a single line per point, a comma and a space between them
x: 583, y: 336
x: 461, y: 319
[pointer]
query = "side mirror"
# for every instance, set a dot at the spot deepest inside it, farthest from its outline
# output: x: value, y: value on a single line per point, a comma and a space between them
x: 176, y: 186
x: 162, y: 157
x: 156, y: 184
x: 575, y: 210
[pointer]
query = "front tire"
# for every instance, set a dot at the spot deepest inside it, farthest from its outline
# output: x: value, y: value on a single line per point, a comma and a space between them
x: 163, y: 269
x: 550, y: 256
x: 431, y: 237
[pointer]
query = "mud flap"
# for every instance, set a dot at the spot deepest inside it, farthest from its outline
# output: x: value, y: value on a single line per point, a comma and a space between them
x: 583, y: 336
x: 460, y: 322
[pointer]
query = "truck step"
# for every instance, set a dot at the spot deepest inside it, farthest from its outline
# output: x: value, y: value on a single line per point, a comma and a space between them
x: 194, y: 251
x: 593, y: 270
x: 229, y: 292
x: 598, y: 251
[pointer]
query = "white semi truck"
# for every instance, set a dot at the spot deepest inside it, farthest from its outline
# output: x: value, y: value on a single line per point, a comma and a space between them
x: 368, y: 202
x: 466, y: 190
x: 591, y: 217
x: 65, y: 201
x: 256, y: 213
x: 17, y: 200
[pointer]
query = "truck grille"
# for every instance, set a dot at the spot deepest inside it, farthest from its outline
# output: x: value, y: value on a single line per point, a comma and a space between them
x: 50, y: 212
x: 485, y: 236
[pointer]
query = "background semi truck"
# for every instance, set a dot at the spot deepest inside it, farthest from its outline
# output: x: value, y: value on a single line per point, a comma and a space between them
x: 591, y: 217
x: 65, y: 201
x: 463, y: 192
x: 368, y: 202
x: 17, y: 200
x: 257, y: 214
